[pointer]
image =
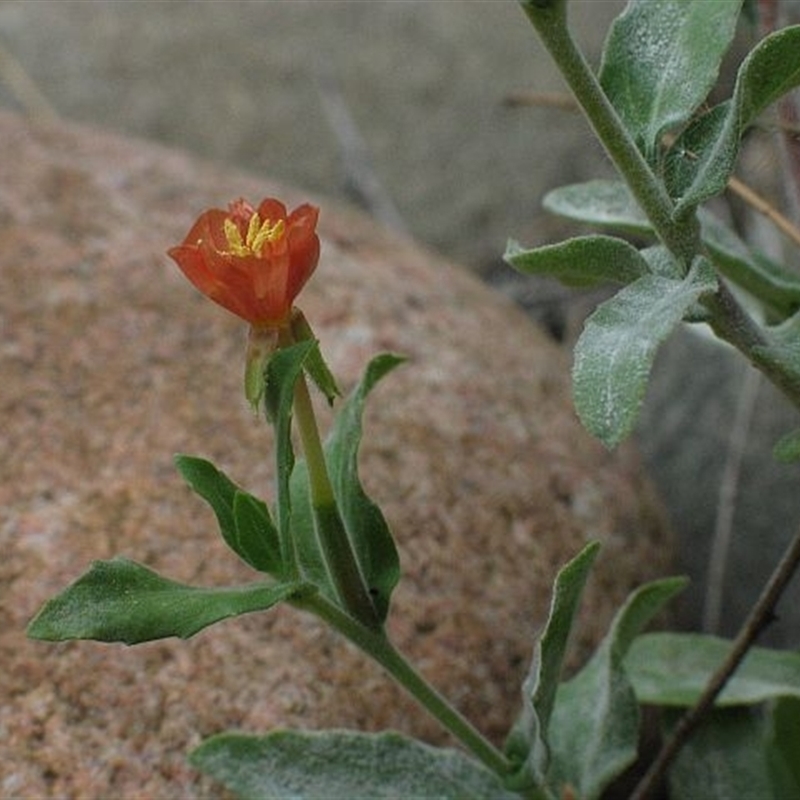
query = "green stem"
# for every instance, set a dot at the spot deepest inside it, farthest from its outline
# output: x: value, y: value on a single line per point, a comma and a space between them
x: 375, y: 644
x: 337, y: 551
x: 680, y: 236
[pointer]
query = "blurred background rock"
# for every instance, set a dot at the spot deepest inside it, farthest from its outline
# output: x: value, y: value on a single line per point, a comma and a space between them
x: 400, y: 106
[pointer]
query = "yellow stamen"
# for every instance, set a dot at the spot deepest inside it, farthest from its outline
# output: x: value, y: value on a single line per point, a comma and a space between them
x: 258, y: 234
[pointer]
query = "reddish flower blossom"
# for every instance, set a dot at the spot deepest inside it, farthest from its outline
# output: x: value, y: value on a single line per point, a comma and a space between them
x: 254, y: 262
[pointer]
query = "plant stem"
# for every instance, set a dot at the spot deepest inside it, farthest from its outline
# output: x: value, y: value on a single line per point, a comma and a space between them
x: 758, y: 619
x: 337, y: 551
x: 375, y: 644
x: 680, y: 236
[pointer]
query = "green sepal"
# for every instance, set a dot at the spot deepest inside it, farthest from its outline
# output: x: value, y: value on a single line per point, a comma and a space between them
x: 244, y: 520
x: 315, y: 365
x: 122, y: 601
x: 343, y: 764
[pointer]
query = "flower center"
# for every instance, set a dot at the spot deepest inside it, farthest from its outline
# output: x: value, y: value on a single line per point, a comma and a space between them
x: 258, y: 234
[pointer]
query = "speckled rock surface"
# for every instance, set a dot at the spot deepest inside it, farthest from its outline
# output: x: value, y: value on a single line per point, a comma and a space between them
x: 111, y: 363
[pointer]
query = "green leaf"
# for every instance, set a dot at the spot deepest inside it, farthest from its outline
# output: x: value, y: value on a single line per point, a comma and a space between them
x: 594, y: 729
x: 605, y: 203
x: 342, y: 764
x: 256, y: 535
x: 729, y: 757
x: 122, y: 601
x: 581, y: 261
x: 609, y: 204
x: 364, y: 522
x: 787, y: 449
x: 615, y: 352
x: 661, y: 60
x: 672, y: 669
x: 251, y: 533
x: 707, y: 150
x: 283, y: 370
x: 783, y: 745
x: 527, y: 742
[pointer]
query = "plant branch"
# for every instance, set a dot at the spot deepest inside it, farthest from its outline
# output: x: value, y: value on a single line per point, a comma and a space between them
x: 681, y: 237
x: 762, y: 613
x: 375, y: 644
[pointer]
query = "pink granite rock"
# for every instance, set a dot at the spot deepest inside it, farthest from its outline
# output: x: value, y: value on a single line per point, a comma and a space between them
x: 111, y: 363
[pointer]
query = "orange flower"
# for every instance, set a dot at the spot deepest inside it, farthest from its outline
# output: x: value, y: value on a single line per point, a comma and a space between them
x: 254, y: 262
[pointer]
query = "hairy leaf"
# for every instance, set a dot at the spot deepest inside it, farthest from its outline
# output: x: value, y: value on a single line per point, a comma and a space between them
x: 249, y: 532
x: 661, y: 60
x: 594, y: 729
x: 342, y: 764
x: 122, y: 601
x: 609, y: 204
x: 581, y: 261
x: 672, y: 669
x: 615, y: 352
x: 705, y: 154
x: 527, y: 743
x: 730, y: 755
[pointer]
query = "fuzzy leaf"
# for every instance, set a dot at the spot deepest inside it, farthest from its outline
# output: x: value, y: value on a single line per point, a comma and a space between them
x: 581, y: 261
x: 615, y: 352
x: 707, y: 150
x: 363, y: 520
x: 731, y: 756
x: 342, y: 764
x: 122, y: 601
x: 661, y: 60
x: 527, y: 743
x: 283, y: 370
x: 594, y: 729
x: 609, y: 204
x: 672, y: 669
x: 250, y: 533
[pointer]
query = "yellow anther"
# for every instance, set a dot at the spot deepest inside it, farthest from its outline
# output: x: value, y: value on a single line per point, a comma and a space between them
x: 237, y: 246
x: 258, y: 234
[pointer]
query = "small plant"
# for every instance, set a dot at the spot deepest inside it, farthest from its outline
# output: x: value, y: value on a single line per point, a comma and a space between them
x: 325, y: 548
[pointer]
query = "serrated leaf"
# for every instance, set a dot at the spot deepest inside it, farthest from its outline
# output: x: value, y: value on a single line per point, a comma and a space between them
x: 672, y: 669
x: 727, y: 757
x: 615, y: 352
x: 708, y: 149
x: 254, y: 541
x: 661, y: 59
x: 122, y: 601
x: 527, y: 743
x: 343, y: 764
x: 581, y: 261
x: 594, y: 730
